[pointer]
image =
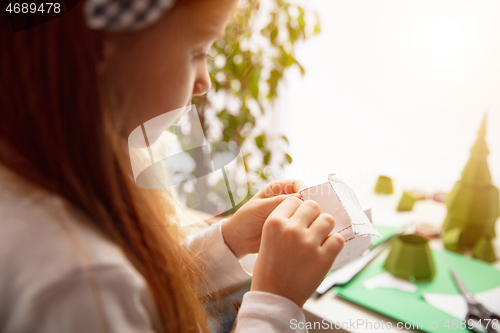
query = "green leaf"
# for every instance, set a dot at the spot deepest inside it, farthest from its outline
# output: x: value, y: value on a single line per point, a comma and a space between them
x: 217, y: 86
x: 245, y: 117
x: 287, y: 59
x: 301, y: 21
x: 228, y: 133
x: 267, y: 157
x: 259, y: 141
x: 273, y: 35
x: 294, y: 34
x: 253, y: 82
x: 317, y: 26
x: 273, y: 83
x: 302, y: 70
x: 272, y: 60
x: 224, y: 115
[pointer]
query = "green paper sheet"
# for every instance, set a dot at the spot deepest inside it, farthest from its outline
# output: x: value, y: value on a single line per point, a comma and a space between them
x: 412, y: 308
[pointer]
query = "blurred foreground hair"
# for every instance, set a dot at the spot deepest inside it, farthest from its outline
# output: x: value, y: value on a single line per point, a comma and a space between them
x: 56, y: 133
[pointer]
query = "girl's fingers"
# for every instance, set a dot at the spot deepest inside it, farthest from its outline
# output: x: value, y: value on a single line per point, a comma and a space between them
x: 322, y: 226
x: 267, y: 205
x: 286, y: 209
x: 307, y: 213
x: 333, y: 244
x: 289, y: 186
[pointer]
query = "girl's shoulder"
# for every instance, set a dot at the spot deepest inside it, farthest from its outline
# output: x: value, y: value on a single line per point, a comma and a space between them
x: 36, y: 224
x: 49, y: 250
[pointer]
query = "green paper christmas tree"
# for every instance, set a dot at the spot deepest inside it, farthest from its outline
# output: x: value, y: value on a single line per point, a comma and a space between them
x: 484, y: 250
x: 473, y: 205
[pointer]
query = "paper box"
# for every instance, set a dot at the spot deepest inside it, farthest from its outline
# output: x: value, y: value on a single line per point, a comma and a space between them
x: 337, y: 199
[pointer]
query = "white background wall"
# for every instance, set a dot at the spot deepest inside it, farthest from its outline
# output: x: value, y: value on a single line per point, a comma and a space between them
x: 394, y: 87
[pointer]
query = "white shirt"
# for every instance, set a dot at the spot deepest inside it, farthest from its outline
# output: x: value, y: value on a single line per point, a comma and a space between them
x: 59, y: 274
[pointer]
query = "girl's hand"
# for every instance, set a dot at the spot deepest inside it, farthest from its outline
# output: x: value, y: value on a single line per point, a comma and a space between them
x: 296, y: 251
x: 242, y: 232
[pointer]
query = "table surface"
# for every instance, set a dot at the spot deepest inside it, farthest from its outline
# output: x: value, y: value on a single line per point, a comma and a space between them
x: 336, y: 309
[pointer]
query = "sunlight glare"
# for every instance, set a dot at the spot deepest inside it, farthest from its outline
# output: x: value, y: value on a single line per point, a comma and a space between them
x: 442, y: 35
x: 443, y: 38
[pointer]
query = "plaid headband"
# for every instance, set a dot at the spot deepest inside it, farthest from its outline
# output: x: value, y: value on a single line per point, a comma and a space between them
x: 124, y: 14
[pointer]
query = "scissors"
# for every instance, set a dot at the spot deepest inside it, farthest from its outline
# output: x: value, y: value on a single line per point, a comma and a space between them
x: 483, y: 319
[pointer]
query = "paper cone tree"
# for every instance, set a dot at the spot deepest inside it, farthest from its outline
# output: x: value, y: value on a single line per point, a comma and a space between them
x: 473, y: 204
x: 384, y: 185
x: 407, y: 201
x: 411, y: 258
x: 451, y: 240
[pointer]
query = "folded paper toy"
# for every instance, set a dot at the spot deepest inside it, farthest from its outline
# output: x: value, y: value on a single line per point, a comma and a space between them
x: 407, y: 201
x: 473, y: 206
x: 411, y: 258
x: 384, y: 185
x: 336, y: 198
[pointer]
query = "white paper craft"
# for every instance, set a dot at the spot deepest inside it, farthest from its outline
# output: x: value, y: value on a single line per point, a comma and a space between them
x: 388, y: 281
x: 336, y: 198
x: 456, y: 306
x: 348, y: 271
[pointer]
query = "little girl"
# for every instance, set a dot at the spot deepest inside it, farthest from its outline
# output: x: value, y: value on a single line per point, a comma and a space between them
x: 82, y: 247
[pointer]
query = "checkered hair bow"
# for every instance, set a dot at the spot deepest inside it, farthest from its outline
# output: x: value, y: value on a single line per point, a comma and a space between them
x: 124, y: 14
